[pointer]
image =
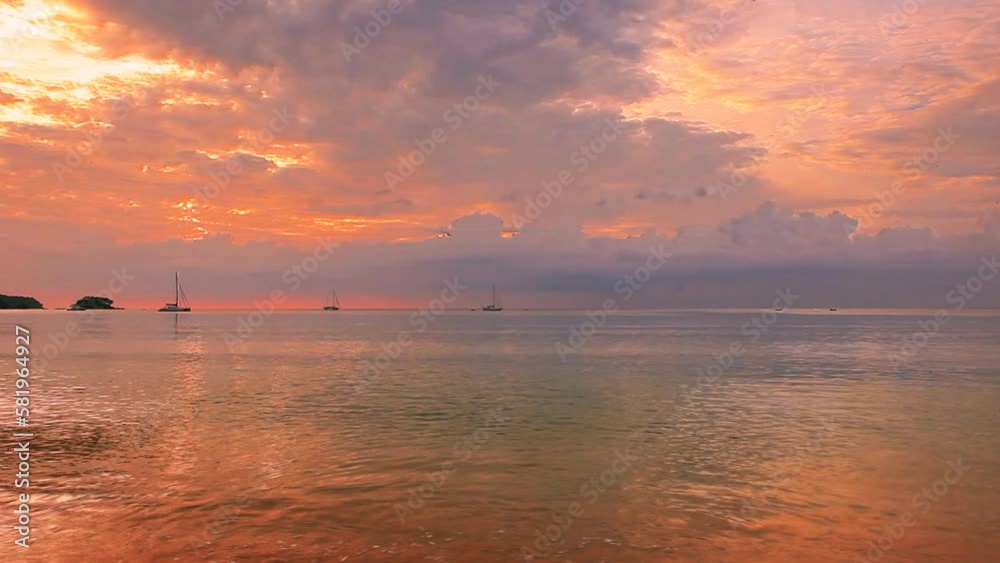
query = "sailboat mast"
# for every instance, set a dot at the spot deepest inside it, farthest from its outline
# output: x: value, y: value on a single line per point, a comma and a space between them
x: 494, y: 295
x: 177, y: 288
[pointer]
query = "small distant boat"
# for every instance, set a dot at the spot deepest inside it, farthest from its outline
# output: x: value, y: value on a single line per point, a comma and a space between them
x: 778, y: 309
x: 75, y: 307
x: 833, y: 308
x: 334, y: 303
x: 493, y: 306
x: 180, y: 304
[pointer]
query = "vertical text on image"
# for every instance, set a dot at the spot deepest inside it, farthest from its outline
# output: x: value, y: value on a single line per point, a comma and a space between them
x: 22, y: 400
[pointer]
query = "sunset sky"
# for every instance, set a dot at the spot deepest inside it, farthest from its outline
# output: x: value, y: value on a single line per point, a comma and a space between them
x: 808, y: 110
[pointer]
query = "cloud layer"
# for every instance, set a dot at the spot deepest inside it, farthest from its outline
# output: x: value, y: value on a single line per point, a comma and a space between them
x: 757, y: 141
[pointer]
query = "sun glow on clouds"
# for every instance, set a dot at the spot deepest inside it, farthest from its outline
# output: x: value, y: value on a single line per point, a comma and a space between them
x: 49, y: 60
x: 354, y: 224
x: 59, y: 81
x: 31, y: 19
x: 202, y: 91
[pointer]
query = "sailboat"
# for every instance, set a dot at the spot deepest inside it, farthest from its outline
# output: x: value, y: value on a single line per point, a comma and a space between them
x: 334, y: 302
x: 180, y: 304
x: 493, y: 306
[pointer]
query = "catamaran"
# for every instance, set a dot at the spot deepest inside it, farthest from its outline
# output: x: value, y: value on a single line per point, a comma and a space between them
x: 493, y: 306
x: 180, y: 304
x: 334, y: 302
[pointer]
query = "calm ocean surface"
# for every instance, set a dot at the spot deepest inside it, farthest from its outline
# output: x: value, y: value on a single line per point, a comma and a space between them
x: 155, y: 442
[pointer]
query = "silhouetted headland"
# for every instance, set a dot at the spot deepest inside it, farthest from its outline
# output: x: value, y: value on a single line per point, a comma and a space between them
x: 91, y: 302
x: 19, y: 302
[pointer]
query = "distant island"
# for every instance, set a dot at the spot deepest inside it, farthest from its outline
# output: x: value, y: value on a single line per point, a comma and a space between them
x: 91, y: 302
x: 19, y: 302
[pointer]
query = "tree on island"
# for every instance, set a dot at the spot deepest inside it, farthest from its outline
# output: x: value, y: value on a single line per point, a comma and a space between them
x: 91, y: 302
x: 19, y: 302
